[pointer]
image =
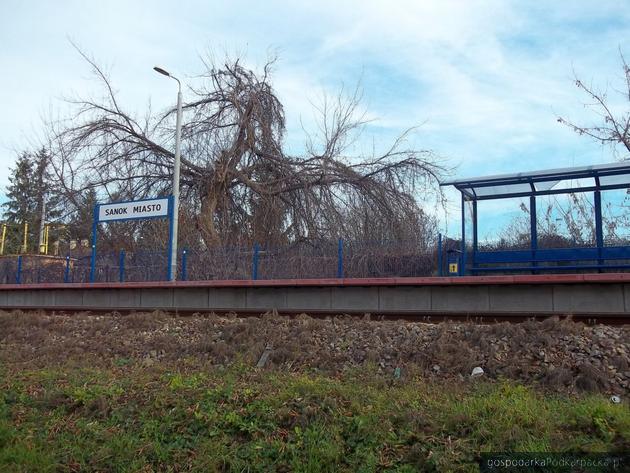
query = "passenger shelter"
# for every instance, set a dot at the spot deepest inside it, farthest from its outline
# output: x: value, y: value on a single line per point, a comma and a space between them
x: 594, y: 179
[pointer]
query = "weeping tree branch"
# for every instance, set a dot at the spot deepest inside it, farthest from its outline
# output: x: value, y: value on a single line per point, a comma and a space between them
x: 238, y: 184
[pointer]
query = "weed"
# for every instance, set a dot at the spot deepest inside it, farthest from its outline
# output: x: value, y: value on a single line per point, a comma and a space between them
x: 185, y: 418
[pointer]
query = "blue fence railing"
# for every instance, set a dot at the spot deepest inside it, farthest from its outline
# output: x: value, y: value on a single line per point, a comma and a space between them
x: 334, y: 259
x: 309, y: 260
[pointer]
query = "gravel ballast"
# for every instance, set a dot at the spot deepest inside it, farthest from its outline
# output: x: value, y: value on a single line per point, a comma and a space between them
x: 556, y: 354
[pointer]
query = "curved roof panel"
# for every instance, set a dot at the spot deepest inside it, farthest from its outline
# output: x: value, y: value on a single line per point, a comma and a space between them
x: 552, y: 181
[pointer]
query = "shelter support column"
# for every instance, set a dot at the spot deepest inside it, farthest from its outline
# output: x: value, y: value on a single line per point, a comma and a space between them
x: 533, y: 228
x: 462, y: 269
x: 599, y: 233
x: 474, y: 230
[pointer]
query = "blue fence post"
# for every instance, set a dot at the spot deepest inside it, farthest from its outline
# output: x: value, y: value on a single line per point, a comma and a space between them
x: 255, y: 262
x: 66, y: 273
x: 184, y: 253
x: 18, y: 276
x: 340, y: 258
x: 93, y: 264
x: 121, y: 266
x: 440, y: 263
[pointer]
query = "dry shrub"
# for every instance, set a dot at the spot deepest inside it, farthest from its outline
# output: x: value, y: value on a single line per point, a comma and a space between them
x: 499, y: 330
x: 543, y: 340
x: 200, y: 347
x: 167, y: 343
x: 620, y: 363
x: 556, y: 378
x: 53, y: 401
x: 590, y: 378
x: 303, y: 317
x: 288, y: 351
x: 99, y: 326
x: 271, y: 314
x: 372, y: 355
x: 316, y: 324
x: 30, y: 319
x: 98, y: 408
x: 34, y: 336
x: 304, y: 337
x: 221, y: 352
x: 142, y: 320
x: 206, y: 324
x: 236, y: 333
x: 451, y: 352
x: 253, y: 352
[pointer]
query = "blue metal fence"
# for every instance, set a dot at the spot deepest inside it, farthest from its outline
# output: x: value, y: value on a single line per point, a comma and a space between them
x: 308, y: 260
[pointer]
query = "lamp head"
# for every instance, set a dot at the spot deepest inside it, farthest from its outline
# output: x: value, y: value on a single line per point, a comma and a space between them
x: 161, y: 71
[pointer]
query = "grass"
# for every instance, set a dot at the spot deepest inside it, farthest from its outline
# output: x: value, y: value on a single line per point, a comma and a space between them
x: 185, y: 418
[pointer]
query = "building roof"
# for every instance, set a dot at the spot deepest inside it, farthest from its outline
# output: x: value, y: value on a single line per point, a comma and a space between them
x: 551, y: 181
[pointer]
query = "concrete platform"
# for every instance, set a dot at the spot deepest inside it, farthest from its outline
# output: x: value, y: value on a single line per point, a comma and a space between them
x: 566, y: 294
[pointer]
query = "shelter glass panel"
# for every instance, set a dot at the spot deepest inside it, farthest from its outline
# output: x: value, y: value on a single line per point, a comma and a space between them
x: 575, y: 183
x: 620, y: 179
x: 546, y: 185
x: 468, y: 220
x: 504, y: 224
x: 566, y: 220
x: 502, y: 190
x: 616, y: 217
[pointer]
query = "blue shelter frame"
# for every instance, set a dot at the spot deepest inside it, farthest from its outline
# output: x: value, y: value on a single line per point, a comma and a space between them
x: 593, y: 179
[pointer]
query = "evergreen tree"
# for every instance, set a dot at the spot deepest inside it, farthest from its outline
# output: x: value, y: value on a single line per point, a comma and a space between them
x: 43, y: 187
x: 20, y: 206
x: 29, y: 185
x: 80, y: 225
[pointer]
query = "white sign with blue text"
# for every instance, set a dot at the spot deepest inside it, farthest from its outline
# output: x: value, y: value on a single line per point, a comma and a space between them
x: 133, y: 210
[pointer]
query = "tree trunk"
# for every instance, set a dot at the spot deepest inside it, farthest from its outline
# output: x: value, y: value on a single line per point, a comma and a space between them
x: 205, y: 221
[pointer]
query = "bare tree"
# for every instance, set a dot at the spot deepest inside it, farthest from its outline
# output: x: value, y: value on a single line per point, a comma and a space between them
x: 614, y: 127
x: 567, y: 221
x: 238, y: 184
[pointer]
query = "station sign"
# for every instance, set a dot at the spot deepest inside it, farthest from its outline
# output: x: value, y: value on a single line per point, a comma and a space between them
x: 139, y: 209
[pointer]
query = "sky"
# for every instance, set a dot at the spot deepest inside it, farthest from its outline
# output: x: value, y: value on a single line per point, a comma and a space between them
x: 484, y: 81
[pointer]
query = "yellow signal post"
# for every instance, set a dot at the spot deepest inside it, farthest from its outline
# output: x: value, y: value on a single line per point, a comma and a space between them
x: 4, y: 237
x: 25, y: 242
x: 46, y: 233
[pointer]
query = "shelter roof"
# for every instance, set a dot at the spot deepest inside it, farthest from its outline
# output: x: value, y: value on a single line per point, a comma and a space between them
x: 551, y: 181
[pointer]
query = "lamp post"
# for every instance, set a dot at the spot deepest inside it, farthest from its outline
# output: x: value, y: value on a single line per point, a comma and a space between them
x: 178, y: 136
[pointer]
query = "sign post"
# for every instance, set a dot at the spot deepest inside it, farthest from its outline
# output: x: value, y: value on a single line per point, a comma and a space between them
x: 132, y: 210
x: 171, y: 233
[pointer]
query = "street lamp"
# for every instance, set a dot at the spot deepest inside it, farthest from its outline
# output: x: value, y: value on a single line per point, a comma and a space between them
x: 178, y: 137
